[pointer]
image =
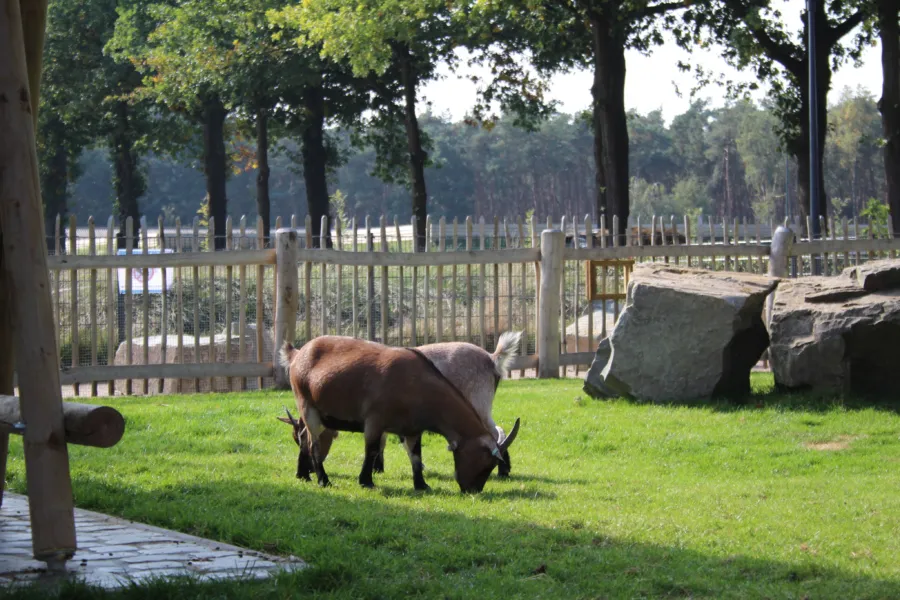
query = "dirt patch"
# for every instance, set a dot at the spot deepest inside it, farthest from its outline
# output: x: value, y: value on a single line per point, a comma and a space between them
x: 842, y: 442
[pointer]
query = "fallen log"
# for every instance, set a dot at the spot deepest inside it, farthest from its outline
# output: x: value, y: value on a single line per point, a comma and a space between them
x: 84, y: 424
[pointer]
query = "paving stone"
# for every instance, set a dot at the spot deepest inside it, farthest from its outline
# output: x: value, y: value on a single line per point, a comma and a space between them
x: 114, y: 553
x: 158, y: 564
x: 130, y: 538
x: 170, y: 547
x: 114, y: 549
x: 143, y: 558
x: 89, y: 555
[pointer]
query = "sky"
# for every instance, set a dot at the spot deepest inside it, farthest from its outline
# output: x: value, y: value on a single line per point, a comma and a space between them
x: 651, y: 81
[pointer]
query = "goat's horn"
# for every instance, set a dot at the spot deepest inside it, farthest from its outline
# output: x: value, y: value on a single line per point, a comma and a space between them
x: 291, y: 417
x: 506, y: 443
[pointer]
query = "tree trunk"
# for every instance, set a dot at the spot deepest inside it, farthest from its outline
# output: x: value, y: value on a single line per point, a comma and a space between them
x: 729, y: 199
x: 128, y: 181
x: 263, y: 204
x: 7, y: 358
x: 214, y: 165
x: 55, y: 182
x: 315, y: 173
x: 889, y: 105
x: 417, y: 155
x: 610, y: 126
x: 800, y: 146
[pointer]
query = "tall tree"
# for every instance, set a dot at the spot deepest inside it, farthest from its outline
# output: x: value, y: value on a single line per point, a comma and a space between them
x: 852, y: 152
x: 185, y: 61
x: 73, y: 88
x: 889, y: 105
x: 755, y: 36
x: 402, y: 42
x: 560, y: 34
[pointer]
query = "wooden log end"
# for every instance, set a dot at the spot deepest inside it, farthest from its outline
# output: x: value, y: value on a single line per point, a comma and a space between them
x: 84, y: 424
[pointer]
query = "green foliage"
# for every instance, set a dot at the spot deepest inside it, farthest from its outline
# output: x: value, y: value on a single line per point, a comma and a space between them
x: 877, y: 213
x: 338, y: 203
x: 507, y: 171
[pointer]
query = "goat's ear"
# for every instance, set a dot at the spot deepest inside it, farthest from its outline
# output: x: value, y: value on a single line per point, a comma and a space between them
x: 452, y: 446
x: 284, y: 420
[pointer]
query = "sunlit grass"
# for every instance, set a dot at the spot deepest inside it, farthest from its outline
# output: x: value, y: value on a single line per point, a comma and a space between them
x: 784, y: 497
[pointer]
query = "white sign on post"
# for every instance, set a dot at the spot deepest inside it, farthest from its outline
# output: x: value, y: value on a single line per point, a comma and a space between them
x: 154, y: 275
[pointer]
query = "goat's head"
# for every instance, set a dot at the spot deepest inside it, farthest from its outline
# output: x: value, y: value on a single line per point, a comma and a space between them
x: 298, y: 427
x: 475, y: 458
x: 302, y: 440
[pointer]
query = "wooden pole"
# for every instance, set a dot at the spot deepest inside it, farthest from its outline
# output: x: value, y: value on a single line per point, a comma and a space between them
x: 782, y: 242
x: 287, y: 300
x: 85, y: 424
x: 25, y: 265
x: 553, y: 243
x: 7, y: 359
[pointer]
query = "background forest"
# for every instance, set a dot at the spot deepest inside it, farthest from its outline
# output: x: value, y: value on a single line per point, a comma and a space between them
x: 272, y: 107
x: 714, y: 162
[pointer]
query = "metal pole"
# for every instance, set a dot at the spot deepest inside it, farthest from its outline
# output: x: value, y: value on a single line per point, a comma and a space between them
x: 814, y: 191
x: 787, y: 189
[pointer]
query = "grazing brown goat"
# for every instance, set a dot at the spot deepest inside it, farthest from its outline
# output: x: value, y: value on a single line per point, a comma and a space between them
x: 474, y: 371
x: 347, y: 384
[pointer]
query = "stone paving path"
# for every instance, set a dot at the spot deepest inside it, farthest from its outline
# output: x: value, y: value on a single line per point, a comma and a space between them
x: 113, y: 552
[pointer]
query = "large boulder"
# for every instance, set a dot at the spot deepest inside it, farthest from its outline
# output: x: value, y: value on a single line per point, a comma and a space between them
x: 577, y: 343
x: 220, y: 341
x: 839, y: 334
x: 685, y: 334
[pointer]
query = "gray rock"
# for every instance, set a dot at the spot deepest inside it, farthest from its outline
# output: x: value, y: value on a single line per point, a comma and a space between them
x: 831, y: 334
x: 596, y: 312
x: 593, y: 381
x: 685, y: 334
x: 875, y: 276
x: 199, y: 354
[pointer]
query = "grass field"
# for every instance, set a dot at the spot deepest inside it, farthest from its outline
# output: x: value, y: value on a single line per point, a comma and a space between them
x: 785, y: 497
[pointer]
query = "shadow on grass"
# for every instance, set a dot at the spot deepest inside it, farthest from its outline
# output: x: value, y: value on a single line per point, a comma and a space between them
x: 768, y: 396
x: 516, y: 476
x: 373, y: 547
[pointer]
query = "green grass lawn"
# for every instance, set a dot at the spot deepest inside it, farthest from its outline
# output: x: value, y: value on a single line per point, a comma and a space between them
x: 786, y: 497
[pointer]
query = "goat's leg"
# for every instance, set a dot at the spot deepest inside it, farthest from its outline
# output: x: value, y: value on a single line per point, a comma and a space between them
x: 379, y: 460
x: 321, y: 475
x: 505, y: 466
x: 413, y: 445
x: 373, y: 436
x: 314, y: 429
x: 304, y: 464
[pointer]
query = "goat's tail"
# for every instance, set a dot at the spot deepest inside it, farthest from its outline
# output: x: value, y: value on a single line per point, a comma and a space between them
x: 285, y: 354
x: 507, y: 348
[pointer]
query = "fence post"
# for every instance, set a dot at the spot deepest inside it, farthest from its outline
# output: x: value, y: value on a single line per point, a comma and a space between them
x: 287, y: 297
x: 779, y: 258
x: 553, y: 243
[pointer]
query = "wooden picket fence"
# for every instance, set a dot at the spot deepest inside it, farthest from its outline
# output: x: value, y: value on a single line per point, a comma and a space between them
x: 213, y: 323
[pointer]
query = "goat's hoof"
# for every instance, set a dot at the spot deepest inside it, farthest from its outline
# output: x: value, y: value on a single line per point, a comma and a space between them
x: 424, y: 487
x: 304, y: 477
x: 367, y: 484
x: 324, y: 483
x: 503, y: 475
x: 378, y: 469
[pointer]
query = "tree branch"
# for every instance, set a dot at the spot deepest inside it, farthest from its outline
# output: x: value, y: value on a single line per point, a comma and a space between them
x: 780, y: 52
x: 841, y: 29
x: 658, y: 9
